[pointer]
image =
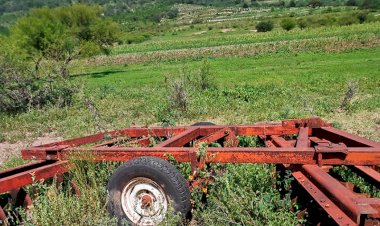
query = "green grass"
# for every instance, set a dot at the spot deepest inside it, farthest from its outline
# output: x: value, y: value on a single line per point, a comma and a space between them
x: 277, y: 86
x: 279, y: 83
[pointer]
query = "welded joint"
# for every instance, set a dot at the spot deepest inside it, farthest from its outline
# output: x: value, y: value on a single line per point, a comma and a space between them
x: 329, y: 148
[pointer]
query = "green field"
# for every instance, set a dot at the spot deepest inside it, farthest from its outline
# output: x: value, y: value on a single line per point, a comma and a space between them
x: 248, y: 90
x: 252, y: 77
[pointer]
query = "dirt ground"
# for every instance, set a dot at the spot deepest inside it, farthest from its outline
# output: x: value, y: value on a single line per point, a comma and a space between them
x: 8, y: 150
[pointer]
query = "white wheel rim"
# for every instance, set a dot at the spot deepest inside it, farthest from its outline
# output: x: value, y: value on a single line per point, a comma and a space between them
x: 144, y: 202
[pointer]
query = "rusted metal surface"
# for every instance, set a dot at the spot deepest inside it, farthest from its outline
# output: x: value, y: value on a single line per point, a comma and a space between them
x: 323, y: 200
x: 339, y: 201
x: 18, y: 177
x: 307, y: 147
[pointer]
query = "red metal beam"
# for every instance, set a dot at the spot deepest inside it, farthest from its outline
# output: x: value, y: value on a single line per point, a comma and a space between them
x: 252, y: 130
x: 354, y: 156
x: 306, y: 122
x: 324, y: 201
x: 128, y: 132
x: 344, y: 198
x: 18, y: 177
x: 181, y: 139
x: 338, y: 136
x: 144, y: 142
x: 303, y: 138
x: 340, y: 203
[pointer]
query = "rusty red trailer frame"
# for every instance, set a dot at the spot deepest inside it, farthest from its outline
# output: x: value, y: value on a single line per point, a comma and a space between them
x: 306, y: 147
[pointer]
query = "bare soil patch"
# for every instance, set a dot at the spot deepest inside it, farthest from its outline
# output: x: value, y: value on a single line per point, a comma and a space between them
x: 9, y: 150
x: 199, y: 33
x: 227, y: 30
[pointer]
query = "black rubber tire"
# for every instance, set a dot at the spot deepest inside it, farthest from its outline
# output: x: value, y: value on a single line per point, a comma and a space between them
x: 160, y: 171
x: 203, y: 124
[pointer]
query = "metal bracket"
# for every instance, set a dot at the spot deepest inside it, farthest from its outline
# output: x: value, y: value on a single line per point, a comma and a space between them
x: 331, y: 148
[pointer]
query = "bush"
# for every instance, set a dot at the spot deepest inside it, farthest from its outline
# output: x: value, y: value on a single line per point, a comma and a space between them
x: 22, y: 88
x: 288, y: 24
x: 362, y: 16
x: 134, y: 37
x: 205, y: 79
x: 351, y: 3
x: 371, y: 4
x: 302, y: 23
x: 264, y: 26
x: 292, y: 3
x: 315, y: 3
x: 19, y: 92
x: 348, y: 20
x: 173, y: 13
x: 178, y: 90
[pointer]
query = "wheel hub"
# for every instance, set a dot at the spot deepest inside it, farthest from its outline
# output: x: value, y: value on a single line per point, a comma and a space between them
x: 144, y: 202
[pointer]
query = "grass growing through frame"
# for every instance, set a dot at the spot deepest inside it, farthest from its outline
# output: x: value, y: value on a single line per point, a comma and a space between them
x: 244, y: 194
x: 59, y: 206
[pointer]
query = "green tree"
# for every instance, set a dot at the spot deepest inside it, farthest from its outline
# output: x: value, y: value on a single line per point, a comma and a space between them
x: 65, y: 33
x: 288, y: 24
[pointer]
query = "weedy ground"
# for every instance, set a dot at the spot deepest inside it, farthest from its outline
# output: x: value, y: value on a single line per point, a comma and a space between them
x: 272, y: 81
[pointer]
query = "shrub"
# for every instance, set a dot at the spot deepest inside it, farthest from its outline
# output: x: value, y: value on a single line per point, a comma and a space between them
x: 302, y: 23
x: 315, y: 3
x: 173, y: 13
x: 178, y: 88
x: 205, y: 79
x: 362, y: 16
x: 134, y: 37
x: 22, y: 88
x: 352, y: 90
x: 371, y: 4
x: 325, y: 20
x: 351, y: 3
x: 292, y: 3
x: 288, y: 24
x: 264, y: 26
x: 347, y: 20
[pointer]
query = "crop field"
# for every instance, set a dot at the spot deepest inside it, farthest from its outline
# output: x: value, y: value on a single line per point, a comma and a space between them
x: 250, y: 76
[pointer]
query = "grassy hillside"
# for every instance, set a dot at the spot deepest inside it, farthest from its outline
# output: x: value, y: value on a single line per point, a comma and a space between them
x: 250, y: 76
